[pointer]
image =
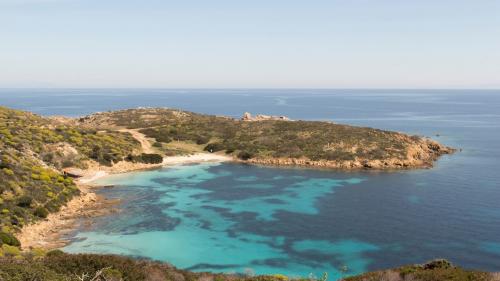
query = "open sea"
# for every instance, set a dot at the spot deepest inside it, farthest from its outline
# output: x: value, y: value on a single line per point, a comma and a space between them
x: 250, y: 219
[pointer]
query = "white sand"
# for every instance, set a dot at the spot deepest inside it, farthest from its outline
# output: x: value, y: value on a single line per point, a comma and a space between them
x: 97, y: 172
x: 195, y: 158
x: 92, y: 177
x: 49, y: 233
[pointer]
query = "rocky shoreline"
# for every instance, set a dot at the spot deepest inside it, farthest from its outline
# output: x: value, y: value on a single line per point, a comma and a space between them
x: 53, y: 231
x: 421, y: 155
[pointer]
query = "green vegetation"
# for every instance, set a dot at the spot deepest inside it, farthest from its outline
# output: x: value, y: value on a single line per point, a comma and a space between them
x: 438, y: 270
x: 58, y: 143
x: 264, y: 139
x: 8, y: 239
x: 27, y: 188
x: 56, y: 265
x: 148, y: 158
x: 32, y: 152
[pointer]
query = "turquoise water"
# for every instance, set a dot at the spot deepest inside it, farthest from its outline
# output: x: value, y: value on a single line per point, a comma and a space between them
x: 196, y: 217
x: 236, y: 218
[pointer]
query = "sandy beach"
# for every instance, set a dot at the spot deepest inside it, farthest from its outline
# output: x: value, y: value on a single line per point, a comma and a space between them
x: 95, y: 171
x: 51, y: 233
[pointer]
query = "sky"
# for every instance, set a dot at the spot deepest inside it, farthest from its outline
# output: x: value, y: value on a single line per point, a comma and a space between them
x: 250, y: 44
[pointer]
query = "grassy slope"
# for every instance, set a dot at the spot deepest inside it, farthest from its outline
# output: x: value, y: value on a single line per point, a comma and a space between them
x: 31, y: 156
x: 311, y: 140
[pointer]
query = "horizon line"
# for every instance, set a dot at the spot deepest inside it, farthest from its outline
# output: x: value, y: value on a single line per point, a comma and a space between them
x: 251, y: 88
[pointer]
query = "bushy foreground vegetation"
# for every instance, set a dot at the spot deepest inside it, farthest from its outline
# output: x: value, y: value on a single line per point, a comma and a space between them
x: 32, y: 152
x: 61, y: 144
x: 433, y: 271
x: 58, y: 266
x: 28, y: 191
x: 276, y: 139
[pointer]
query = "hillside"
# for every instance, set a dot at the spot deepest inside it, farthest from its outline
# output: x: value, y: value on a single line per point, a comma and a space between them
x: 275, y: 142
x: 33, y: 150
x: 55, y: 266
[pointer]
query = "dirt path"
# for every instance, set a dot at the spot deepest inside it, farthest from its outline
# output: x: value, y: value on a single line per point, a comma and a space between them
x: 140, y: 137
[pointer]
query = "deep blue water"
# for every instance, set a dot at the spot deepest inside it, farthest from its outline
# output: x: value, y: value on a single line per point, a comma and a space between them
x: 233, y: 217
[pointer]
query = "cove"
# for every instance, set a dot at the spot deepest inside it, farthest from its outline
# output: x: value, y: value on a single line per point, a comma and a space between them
x: 220, y: 218
x: 237, y: 218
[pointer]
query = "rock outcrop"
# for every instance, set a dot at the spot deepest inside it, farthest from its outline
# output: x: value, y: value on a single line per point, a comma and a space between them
x: 247, y: 116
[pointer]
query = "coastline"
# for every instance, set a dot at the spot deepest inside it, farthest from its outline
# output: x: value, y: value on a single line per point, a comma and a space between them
x: 419, y: 156
x: 51, y: 232
x: 96, y: 171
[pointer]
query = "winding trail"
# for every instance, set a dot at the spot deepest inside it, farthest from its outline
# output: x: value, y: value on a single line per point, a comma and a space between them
x: 141, y: 138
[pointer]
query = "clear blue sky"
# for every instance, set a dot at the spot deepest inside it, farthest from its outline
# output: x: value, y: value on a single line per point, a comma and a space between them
x: 250, y: 44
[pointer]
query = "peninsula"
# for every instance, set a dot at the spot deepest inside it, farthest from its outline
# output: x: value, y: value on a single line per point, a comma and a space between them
x: 272, y: 140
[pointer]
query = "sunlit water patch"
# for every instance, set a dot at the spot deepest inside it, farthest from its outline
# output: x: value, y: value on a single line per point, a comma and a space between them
x: 229, y: 217
x: 207, y: 217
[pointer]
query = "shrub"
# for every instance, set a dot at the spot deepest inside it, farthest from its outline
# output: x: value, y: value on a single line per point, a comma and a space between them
x: 151, y: 158
x: 10, y: 250
x: 55, y: 253
x: 148, y: 158
x: 112, y: 274
x: 214, y: 147
x: 24, y: 201
x: 8, y: 172
x: 53, y: 206
x: 245, y: 155
x: 9, y: 239
x: 41, y: 212
x: 202, y: 140
x: 38, y: 252
x: 439, y: 263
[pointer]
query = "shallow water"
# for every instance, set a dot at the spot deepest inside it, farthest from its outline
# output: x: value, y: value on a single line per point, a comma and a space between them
x: 233, y: 217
